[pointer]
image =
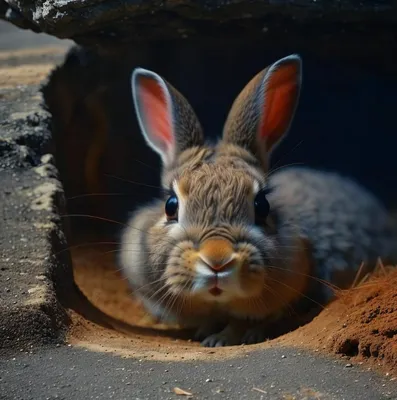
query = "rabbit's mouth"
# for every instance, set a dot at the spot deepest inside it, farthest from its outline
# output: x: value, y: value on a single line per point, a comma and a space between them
x: 215, y: 291
x: 220, y: 287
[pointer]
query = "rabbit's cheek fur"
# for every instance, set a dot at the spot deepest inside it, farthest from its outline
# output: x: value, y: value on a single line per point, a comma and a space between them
x: 179, y: 271
x: 192, y: 272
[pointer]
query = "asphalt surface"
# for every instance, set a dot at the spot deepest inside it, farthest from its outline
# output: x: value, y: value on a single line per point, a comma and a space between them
x: 69, y: 373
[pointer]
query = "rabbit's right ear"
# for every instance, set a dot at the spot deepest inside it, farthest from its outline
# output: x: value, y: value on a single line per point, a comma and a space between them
x: 167, y: 121
x: 263, y: 111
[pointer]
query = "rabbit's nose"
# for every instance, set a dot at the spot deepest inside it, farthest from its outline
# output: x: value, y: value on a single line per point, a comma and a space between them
x: 217, y: 253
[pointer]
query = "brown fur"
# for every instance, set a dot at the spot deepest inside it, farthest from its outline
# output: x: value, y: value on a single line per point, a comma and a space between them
x: 218, y: 252
x: 171, y: 264
x: 285, y: 287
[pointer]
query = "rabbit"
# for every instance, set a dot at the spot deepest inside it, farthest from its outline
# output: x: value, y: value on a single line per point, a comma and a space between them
x: 231, y: 245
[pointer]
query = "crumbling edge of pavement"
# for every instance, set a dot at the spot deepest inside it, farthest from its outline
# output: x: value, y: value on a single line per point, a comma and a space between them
x: 35, y: 266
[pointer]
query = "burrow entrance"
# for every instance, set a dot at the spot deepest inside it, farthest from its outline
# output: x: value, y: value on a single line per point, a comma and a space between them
x: 107, y: 171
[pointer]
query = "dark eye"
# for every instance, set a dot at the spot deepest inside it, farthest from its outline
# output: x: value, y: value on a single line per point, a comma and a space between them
x: 262, y: 206
x: 171, y: 208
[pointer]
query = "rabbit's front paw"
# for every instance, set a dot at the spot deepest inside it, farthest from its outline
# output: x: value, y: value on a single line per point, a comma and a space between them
x: 227, y: 337
x: 237, y: 333
x: 256, y: 334
x: 207, y: 329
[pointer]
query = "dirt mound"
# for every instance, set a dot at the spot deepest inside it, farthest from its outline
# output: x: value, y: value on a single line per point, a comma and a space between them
x: 361, y: 323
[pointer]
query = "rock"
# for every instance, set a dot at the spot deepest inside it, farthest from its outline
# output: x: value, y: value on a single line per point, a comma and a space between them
x: 86, y: 21
x: 33, y: 262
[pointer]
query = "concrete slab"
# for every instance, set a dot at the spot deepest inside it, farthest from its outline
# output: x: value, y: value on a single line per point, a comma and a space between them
x: 31, y: 233
x: 31, y: 199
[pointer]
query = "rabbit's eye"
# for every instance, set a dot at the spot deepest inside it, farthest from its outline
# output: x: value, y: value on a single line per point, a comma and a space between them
x: 262, y: 206
x: 171, y: 208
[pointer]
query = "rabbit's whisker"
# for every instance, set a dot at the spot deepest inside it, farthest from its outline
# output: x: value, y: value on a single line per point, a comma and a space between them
x: 148, y: 285
x: 96, y: 194
x: 134, y: 182
x: 157, y: 292
x: 146, y: 165
x: 296, y: 291
x: 113, y: 221
x: 319, y: 280
x: 274, y: 168
x: 129, y: 251
x: 277, y: 296
x: 167, y: 301
x: 88, y: 244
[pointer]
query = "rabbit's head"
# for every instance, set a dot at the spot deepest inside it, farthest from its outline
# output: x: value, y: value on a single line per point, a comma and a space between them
x: 217, y: 233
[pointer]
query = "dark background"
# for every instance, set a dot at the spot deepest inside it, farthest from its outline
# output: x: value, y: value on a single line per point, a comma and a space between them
x: 345, y: 121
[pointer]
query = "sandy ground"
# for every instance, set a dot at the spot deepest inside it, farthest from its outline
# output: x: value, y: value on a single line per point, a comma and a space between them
x: 26, y: 57
x: 360, y: 324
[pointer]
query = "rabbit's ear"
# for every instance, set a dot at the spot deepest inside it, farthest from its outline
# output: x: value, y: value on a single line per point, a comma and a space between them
x: 166, y: 119
x: 262, y: 113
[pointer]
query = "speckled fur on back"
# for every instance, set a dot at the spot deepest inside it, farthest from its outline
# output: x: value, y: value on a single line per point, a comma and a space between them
x: 232, y: 243
x: 345, y: 224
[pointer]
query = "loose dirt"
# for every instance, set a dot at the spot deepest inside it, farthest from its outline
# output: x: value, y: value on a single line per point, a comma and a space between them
x: 132, y: 331
x: 28, y: 66
x: 360, y: 324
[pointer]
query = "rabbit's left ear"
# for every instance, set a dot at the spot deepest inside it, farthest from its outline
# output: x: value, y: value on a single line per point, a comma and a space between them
x: 263, y: 112
x: 167, y: 121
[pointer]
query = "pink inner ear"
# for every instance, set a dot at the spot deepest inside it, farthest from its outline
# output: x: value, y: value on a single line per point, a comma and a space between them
x: 282, y: 88
x: 155, y: 111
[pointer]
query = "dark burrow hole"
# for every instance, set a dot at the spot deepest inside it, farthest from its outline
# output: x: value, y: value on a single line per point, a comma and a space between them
x: 349, y: 347
x: 353, y: 347
x: 343, y: 123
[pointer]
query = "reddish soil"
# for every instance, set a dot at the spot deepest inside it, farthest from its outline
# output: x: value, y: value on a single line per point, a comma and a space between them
x: 360, y: 324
